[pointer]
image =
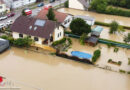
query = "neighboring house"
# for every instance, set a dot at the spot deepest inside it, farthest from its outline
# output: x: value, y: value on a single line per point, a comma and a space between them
x: 18, y: 3
x: 79, y: 4
x: 63, y: 18
x: 89, y: 20
x: 40, y: 30
x: 3, y: 7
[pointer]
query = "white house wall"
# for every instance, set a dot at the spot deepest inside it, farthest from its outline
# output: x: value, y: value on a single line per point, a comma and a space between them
x: 16, y: 36
x: 68, y: 19
x: 57, y: 33
x: 76, y: 5
x: 3, y: 9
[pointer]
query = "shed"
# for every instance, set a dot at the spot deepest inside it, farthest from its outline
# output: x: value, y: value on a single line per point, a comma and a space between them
x: 91, y: 40
x: 89, y: 20
x: 97, y: 31
x: 4, y: 44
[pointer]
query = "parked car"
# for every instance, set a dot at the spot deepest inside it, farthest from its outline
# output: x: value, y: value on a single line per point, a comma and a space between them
x: 11, y: 14
x: 28, y: 11
x: 46, y: 7
x: 3, y: 17
x: 51, y: 1
x: 10, y: 22
x: 40, y: 5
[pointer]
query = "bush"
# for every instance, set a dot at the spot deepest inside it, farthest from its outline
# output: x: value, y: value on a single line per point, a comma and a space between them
x: 66, y: 4
x: 78, y: 26
x: 96, y: 55
x: 11, y: 39
x: 59, y: 42
x: 23, y: 42
x: 113, y: 27
x: 82, y: 38
x: 69, y: 40
x: 128, y: 72
x: 128, y: 61
x: 119, y: 62
x: 116, y: 49
x: 122, y: 71
x: 127, y: 38
x: 109, y: 60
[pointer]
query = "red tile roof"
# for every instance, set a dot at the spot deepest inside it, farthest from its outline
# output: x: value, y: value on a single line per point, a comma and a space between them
x: 59, y: 16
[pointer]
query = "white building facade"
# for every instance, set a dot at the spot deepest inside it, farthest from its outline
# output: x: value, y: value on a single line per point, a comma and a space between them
x: 79, y: 4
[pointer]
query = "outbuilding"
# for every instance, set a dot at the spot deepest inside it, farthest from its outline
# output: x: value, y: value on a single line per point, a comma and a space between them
x: 92, y: 41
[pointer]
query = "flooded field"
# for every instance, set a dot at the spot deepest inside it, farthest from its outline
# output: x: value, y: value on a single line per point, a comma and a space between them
x: 115, y: 37
x: 106, y: 54
x: 99, y: 17
x: 54, y: 73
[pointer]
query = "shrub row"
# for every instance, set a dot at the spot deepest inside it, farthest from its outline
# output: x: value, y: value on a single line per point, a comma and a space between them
x: 111, y: 42
x: 108, y: 24
x: 20, y: 42
x: 117, y: 11
x: 59, y: 42
x: 96, y: 55
x: 113, y: 62
x: 73, y: 58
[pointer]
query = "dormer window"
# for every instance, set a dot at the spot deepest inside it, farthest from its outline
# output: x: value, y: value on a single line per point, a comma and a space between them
x: 35, y: 28
x: 30, y: 27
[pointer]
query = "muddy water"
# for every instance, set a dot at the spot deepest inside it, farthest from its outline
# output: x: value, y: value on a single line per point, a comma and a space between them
x: 119, y: 36
x: 54, y: 73
x: 106, y: 54
x: 99, y: 17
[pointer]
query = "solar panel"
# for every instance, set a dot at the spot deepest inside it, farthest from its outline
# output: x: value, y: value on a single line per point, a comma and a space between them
x: 40, y: 22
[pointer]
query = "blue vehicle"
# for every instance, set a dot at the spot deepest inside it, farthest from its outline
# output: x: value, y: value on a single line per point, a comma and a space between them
x: 40, y: 5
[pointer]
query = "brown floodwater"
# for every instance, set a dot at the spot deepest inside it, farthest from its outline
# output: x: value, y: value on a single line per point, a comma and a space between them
x: 42, y: 70
x: 99, y: 17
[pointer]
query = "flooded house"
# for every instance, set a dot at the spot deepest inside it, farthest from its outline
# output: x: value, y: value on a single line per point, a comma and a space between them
x: 79, y: 4
x: 43, y: 32
x: 4, y: 44
x: 63, y: 18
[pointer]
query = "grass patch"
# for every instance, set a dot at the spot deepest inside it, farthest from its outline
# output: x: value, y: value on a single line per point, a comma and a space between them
x: 122, y: 71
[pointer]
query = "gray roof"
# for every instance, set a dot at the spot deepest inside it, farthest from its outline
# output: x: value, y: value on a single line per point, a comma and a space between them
x: 84, y: 2
x: 85, y: 17
x: 92, y: 39
x: 2, y: 41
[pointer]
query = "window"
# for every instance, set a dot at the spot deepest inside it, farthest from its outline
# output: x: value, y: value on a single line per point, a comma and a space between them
x: 58, y: 34
x: 65, y: 22
x: 30, y: 27
x: 35, y: 38
x: 35, y: 28
x: 29, y: 36
x: 1, y: 7
x: 21, y: 35
x: 68, y: 20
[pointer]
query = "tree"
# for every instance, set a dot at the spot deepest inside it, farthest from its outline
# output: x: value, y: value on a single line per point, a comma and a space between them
x: 96, y: 55
x: 78, y: 26
x: 127, y: 38
x: 82, y: 38
x: 23, y: 13
x: 66, y: 4
x: 128, y: 3
x: 99, y: 5
x: 113, y: 27
x: 51, y: 15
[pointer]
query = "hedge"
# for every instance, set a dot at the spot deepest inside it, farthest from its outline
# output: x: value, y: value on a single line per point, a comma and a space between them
x: 59, y: 42
x: 108, y: 24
